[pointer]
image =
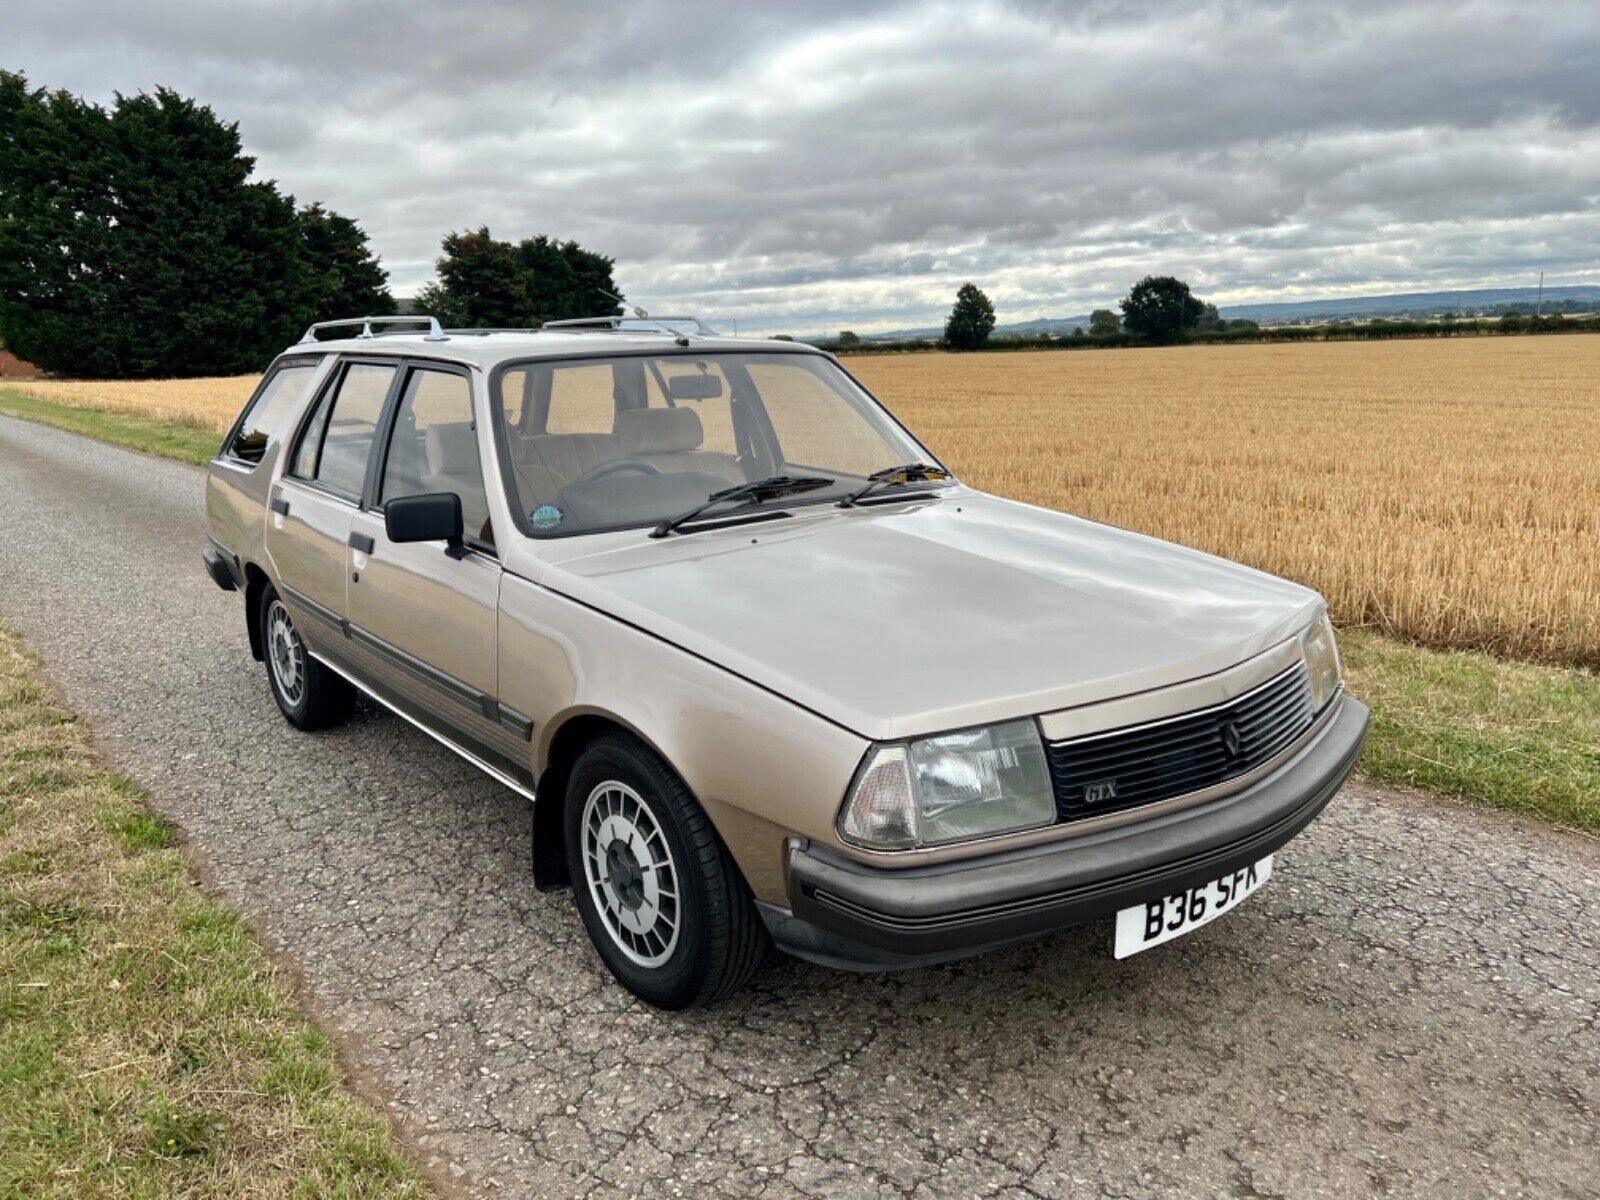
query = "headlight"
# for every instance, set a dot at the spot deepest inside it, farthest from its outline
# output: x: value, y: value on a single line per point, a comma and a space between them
x: 1322, y: 662
x: 971, y: 784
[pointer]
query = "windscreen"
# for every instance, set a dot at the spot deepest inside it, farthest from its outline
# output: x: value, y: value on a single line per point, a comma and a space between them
x: 614, y: 443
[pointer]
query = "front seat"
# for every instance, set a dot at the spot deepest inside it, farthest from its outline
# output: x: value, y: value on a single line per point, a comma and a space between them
x: 453, y: 466
x: 670, y: 438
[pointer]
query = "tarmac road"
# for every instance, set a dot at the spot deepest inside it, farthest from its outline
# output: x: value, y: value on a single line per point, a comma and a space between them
x: 1409, y: 1007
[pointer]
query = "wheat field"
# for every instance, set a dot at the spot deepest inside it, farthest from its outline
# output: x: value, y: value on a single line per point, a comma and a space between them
x: 1445, y: 491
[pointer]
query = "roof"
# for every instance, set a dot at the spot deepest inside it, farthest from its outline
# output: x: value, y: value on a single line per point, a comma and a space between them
x: 487, y: 349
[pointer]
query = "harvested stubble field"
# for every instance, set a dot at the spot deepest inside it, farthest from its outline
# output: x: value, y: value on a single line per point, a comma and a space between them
x: 1445, y: 491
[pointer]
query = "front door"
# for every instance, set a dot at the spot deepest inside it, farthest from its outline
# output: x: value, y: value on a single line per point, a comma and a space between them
x: 313, y: 503
x: 423, y: 622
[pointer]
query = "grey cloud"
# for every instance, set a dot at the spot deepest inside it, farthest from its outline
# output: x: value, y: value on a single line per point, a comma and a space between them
x: 850, y: 164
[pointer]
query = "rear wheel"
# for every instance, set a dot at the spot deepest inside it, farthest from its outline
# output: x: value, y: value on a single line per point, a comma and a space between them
x: 663, y: 903
x: 309, y: 694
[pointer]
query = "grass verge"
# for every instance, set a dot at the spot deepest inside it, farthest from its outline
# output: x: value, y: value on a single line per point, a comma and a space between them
x: 182, y: 442
x: 147, y: 1045
x: 1517, y: 736
x: 1509, y: 735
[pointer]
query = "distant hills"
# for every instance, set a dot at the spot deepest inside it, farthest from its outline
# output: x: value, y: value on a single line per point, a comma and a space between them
x: 1297, y: 312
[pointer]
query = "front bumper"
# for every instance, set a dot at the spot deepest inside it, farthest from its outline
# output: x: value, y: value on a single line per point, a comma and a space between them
x: 846, y: 914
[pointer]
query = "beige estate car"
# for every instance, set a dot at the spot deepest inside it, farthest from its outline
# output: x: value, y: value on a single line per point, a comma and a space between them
x: 764, y: 669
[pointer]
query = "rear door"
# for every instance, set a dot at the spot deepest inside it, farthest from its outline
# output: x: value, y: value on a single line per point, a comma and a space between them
x: 311, y: 506
x: 423, y: 622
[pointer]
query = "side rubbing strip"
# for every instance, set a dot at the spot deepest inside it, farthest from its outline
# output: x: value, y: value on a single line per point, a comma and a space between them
x: 448, y: 684
x: 280, y: 506
x: 517, y: 723
x: 320, y: 611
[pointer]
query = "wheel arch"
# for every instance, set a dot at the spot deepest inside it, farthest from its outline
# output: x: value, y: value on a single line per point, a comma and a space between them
x: 563, y: 740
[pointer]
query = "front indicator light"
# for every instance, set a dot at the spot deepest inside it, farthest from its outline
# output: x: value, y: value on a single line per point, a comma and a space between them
x: 1322, y: 662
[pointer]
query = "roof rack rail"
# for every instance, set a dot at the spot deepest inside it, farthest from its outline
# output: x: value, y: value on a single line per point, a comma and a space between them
x: 434, y: 334
x: 635, y: 323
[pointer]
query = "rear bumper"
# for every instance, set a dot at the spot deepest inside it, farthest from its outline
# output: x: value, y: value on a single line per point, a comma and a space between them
x: 220, y: 566
x: 849, y: 915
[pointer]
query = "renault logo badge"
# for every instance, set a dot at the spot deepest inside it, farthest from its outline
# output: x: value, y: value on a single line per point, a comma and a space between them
x: 1231, y: 741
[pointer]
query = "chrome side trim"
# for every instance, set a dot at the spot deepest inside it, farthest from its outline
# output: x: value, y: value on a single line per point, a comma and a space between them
x: 1179, y: 700
x: 498, y: 776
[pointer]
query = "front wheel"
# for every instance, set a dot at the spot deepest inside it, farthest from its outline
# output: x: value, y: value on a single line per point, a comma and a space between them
x: 309, y: 694
x: 663, y: 903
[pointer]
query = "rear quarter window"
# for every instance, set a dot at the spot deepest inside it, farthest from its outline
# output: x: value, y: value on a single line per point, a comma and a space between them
x: 267, y: 410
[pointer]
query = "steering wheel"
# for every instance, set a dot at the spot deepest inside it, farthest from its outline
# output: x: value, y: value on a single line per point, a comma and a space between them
x: 614, y: 466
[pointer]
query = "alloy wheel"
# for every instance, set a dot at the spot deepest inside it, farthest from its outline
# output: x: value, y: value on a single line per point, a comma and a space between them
x: 628, y: 866
x: 286, y: 654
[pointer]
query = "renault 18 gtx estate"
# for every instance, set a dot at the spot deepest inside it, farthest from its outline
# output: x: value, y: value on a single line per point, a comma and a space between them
x: 764, y: 668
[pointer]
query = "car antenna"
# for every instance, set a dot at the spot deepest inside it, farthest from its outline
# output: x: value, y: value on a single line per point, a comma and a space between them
x: 681, y: 337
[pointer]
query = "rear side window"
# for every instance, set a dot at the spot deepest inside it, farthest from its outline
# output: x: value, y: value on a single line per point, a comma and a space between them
x: 268, y: 408
x: 338, y: 440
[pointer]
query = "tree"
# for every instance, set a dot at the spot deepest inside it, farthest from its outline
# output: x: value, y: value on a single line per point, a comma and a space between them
x: 1210, y: 320
x: 133, y: 241
x: 849, y: 340
x: 500, y: 285
x: 1104, y: 323
x: 971, y: 321
x: 347, y: 279
x: 1160, y: 309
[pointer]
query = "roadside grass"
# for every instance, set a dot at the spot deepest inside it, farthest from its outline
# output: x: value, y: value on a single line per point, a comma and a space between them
x: 148, y: 1047
x: 166, y: 438
x: 1510, y: 735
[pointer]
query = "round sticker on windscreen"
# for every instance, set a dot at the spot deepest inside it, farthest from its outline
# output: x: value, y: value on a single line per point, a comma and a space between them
x: 546, y: 516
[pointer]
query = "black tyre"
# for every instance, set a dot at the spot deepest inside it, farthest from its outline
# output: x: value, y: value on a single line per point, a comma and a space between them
x: 308, y: 693
x: 663, y: 902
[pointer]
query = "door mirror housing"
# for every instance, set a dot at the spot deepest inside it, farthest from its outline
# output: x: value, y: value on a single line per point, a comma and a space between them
x: 433, y: 517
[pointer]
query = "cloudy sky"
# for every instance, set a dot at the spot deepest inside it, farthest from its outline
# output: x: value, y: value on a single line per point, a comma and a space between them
x: 828, y: 165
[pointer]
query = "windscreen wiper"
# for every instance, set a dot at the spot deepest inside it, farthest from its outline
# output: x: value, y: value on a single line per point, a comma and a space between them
x: 751, y: 493
x: 917, y: 472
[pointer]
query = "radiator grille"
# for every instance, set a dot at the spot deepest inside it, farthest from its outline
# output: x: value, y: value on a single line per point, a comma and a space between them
x: 1146, y: 764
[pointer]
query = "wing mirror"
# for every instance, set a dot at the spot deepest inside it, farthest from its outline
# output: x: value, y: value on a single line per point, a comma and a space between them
x: 434, y: 517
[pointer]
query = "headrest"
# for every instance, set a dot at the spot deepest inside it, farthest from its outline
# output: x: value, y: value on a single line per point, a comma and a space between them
x: 659, y: 430
x: 452, y: 449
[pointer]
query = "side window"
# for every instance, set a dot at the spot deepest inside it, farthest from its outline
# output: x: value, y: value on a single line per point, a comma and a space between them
x: 267, y: 410
x: 338, y: 440
x: 582, y: 400
x: 706, y: 391
x: 434, y: 448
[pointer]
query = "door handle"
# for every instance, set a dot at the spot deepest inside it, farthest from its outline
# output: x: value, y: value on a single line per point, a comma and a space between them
x: 362, y: 542
x: 280, y: 506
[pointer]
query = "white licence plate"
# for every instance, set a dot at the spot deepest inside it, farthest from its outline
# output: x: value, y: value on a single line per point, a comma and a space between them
x: 1146, y: 925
